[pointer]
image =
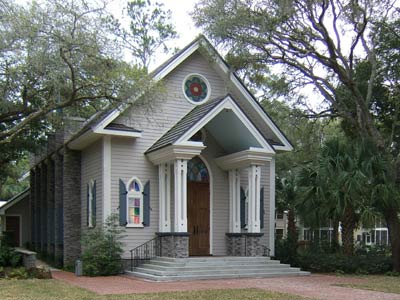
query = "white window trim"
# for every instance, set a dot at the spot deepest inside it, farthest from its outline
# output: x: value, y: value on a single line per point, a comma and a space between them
x: 134, y: 194
x: 90, y: 208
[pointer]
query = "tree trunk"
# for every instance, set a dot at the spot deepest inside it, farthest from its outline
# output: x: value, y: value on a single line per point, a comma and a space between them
x: 292, y: 225
x: 335, y: 235
x: 348, y: 226
x: 393, y: 223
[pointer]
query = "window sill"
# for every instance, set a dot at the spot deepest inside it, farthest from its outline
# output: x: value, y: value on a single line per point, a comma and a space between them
x: 134, y: 226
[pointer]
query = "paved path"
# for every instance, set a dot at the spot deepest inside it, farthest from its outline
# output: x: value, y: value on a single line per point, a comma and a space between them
x: 314, y: 286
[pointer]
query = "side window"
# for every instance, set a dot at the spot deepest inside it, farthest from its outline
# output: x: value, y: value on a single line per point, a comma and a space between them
x: 134, y: 204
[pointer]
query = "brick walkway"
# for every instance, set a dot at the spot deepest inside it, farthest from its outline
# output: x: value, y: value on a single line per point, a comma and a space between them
x: 315, y: 286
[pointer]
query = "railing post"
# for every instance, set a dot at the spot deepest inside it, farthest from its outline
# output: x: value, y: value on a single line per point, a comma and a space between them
x: 131, y: 261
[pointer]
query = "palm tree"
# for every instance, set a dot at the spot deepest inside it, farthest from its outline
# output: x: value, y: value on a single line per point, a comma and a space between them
x: 333, y: 186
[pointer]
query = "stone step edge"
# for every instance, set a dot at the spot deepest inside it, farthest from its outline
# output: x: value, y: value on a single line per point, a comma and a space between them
x: 205, y: 272
x: 218, y: 276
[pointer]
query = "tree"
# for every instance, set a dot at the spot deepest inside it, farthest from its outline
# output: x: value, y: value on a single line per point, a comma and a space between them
x: 317, y: 43
x: 55, y: 56
x: 149, y: 29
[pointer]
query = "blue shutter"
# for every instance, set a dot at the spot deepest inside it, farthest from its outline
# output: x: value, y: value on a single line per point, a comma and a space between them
x: 122, y: 203
x: 242, y: 208
x: 262, y: 208
x: 93, y: 216
x: 146, y: 204
x: 87, y: 204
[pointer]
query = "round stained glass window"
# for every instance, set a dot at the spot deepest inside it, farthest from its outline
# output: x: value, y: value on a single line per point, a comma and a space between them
x: 196, y: 88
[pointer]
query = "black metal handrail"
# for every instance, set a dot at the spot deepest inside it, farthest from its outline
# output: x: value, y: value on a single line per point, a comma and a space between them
x: 145, y: 252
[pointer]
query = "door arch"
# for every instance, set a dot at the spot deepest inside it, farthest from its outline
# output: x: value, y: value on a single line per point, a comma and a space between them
x: 198, y: 201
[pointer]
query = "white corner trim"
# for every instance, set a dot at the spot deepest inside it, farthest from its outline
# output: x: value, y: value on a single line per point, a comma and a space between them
x: 185, y: 150
x: 287, y: 146
x: 243, y: 159
x: 106, y: 168
x: 227, y: 103
x: 271, y: 242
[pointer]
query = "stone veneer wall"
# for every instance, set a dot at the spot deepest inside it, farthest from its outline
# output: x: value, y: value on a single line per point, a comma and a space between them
x: 50, y: 209
x: 58, y: 210
x: 174, y: 244
x: 72, y: 205
x: 244, y: 244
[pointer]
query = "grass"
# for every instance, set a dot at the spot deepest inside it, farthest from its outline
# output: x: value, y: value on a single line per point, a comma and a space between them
x: 35, y: 289
x: 387, y: 284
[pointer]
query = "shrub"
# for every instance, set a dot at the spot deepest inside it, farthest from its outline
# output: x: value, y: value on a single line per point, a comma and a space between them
x: 8, y: 256
x: 358, y: 264
x: 102, y: 249
x: 18, y: 273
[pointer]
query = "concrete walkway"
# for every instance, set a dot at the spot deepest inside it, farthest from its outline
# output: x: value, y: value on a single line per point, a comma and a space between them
x: 314, y: 286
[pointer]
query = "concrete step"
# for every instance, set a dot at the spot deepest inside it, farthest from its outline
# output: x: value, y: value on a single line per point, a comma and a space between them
x: 215, y: 276
x: 189, y: 272
x: 217, y: 263
x: 176, y: 269
x: 181, y: 268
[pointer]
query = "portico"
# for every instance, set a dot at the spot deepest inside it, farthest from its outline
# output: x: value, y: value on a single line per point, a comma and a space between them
x: 246, y: 151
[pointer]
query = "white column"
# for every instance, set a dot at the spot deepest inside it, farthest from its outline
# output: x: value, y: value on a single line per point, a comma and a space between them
x: 106, y: 169
x: 180, y: 171
x: 271, y: 243
x: 254, y: 199
x: 234, y: 201
x: 164, y: 175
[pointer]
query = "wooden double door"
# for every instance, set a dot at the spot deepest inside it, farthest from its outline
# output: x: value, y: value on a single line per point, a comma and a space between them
x: 198, y: 200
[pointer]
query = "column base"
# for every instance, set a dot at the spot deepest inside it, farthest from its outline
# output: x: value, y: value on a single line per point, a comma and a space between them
x: 174, y: 244
x: 244, y: 244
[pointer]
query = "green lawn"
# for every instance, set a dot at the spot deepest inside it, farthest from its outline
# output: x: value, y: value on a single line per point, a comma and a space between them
x: 34, y: 289
x: 388, y: 284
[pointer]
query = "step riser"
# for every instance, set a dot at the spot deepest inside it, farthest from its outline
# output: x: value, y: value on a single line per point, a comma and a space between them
x: 204, y: 273
x: 221, y: 276
x: 217, y: 263
x: 210, y: 268
x: 213, y: 259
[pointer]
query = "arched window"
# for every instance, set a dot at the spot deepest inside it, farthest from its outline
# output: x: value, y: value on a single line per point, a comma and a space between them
x: 134, y: 199
x: 197, y: 170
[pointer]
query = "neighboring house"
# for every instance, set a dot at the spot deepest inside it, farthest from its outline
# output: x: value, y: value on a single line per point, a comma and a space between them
x: 15, y: 219
x: 377, y: 234
x: 195, y: 165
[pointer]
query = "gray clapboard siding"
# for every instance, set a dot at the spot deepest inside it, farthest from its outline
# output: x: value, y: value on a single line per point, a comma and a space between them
x: 220, y: 196
x: 169, y: 106
x: 91, y: 168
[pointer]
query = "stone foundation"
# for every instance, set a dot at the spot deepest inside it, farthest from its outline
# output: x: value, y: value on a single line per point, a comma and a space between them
x: 244, y: 244
x: 174, y: 244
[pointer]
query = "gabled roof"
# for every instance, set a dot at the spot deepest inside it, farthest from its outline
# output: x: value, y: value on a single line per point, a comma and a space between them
x: 184, y: 124
x: 220, y: 116
x: 100, y: 123
x: 14, y: 200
